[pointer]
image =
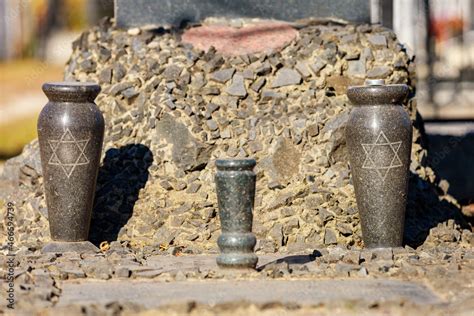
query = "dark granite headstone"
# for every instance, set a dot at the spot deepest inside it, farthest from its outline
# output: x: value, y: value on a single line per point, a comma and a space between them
x: 152, y: 13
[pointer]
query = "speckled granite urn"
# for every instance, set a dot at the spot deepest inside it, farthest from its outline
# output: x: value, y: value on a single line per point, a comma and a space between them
x: 235, y: 182
x: 70, y: 134
x: 379, y: 137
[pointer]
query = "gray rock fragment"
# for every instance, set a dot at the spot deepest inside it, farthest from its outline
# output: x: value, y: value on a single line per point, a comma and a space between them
x: 193, y: 188
x: 187, y: 152
x: 237, y: 86
x: 119, y: 72
x: 105, y: 76
x: 356, y: 68
x: 130, y: 93
x: 303, y: 69
x: 248, y: 74
x: 337, y: 140
x: 258, y: 84
x: 222, y: 75
x: 379, y: 72
x: 377, y: 40
x: 212, y: 125
x: 318, y: 65
x: 286, y: 77
x: 172, y: 72
x: 270, y: 94
x: 119, y: 87
x: 330, y: 237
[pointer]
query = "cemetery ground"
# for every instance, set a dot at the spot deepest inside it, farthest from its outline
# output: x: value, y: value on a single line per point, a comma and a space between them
x: 156, y: 226
x: 328, y: 281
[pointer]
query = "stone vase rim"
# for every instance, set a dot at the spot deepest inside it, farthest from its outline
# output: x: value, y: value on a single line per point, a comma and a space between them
x: 235, y: 164
x: 391, y: 94
x: 71, y: 91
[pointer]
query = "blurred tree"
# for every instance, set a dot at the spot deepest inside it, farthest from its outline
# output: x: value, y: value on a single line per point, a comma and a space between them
x: 46, y: 24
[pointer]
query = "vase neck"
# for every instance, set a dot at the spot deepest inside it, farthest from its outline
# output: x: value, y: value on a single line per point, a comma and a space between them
x: 71, y: 91
x: 235, y: 164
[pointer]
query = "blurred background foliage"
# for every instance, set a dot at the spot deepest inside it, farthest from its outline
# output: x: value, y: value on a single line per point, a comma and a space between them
x: 35, y: 43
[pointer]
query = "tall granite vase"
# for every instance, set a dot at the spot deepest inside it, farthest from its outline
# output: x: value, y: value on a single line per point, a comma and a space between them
x: 379, y: 136
x: 70, y: 134
x: 235, y: 182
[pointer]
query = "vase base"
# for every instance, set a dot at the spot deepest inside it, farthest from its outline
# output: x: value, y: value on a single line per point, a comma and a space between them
x: 237, y: 261
x: 382, y: 246
x: 69, y: 246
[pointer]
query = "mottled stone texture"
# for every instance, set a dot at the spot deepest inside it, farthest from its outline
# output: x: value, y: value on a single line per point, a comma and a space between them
x: 379, y: 134
x: 70, y: 135
x: 235, y: 187
x: 168, y: 120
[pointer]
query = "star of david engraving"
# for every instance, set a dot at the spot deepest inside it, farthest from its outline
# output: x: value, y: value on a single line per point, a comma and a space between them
x: 382, y: 155
x: 68, y: 152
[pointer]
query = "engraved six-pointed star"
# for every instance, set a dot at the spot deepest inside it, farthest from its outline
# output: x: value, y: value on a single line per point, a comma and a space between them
x: 382, y: 155
x: 68, y: 152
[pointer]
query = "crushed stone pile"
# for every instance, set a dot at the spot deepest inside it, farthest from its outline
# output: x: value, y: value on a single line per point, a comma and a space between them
x: 172, y: 110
